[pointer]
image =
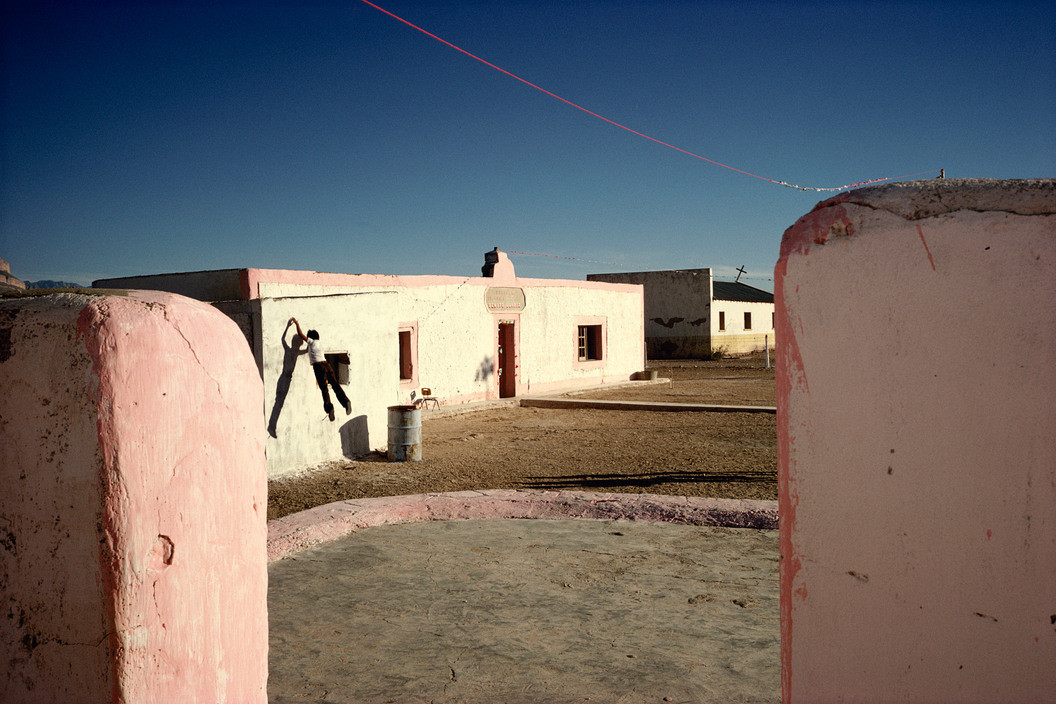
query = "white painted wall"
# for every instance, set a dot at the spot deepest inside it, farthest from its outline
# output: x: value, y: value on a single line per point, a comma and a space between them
x: 548, y: 347
x: 300, y: 434
x: 735, y: 339
x: 916, y: 421
x: 456, y: 332
x: 456, y: 345
x: 456, y: 350
x: 456, y: 353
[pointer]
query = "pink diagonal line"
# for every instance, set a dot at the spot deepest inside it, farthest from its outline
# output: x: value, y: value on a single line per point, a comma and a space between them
x: 926, y: 248
x: 624, y: 127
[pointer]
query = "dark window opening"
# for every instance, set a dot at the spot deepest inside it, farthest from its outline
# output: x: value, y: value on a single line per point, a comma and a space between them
x: 406, y: 368
x: 747, y: 321
x: 339, y: 362
x: 589, y: 343
x: 722, y: 320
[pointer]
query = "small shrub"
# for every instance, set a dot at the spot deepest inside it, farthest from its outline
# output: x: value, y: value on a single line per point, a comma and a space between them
x: 717, y: 353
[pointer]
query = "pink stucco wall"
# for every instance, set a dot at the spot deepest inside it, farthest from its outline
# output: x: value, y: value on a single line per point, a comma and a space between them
x: 134, y: 502
x: 916, y: 375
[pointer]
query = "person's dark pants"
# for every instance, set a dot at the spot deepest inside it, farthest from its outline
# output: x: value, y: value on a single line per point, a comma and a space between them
x: 324, y: 374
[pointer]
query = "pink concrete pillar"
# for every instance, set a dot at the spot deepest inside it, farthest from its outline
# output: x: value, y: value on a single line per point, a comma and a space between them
x: 916, y: 376
x: 133, y: 511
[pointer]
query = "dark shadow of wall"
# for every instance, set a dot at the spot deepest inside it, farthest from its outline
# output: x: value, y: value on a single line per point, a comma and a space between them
x: 282, y: 386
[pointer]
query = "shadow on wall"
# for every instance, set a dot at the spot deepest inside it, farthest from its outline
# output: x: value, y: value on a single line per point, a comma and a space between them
x: 668, y: 348
x: 282, y: 386
x: 355, y: 439
x: 486, y: 370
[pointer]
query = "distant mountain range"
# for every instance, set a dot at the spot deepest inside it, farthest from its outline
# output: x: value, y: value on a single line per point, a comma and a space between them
x: 48, y: 283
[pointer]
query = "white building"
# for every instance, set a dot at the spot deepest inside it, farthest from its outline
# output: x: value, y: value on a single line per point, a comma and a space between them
x: 688, y: 314
x: 465, y: 338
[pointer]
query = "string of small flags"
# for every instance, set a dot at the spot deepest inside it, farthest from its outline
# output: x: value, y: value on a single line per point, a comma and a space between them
x: 558, y: 256
x: 621, y: 266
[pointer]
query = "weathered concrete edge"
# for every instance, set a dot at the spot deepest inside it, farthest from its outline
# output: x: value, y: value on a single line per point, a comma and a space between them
x: 917, y: 200
x: 306, y: 529
x: 454, y: 409
x: 641, y: 406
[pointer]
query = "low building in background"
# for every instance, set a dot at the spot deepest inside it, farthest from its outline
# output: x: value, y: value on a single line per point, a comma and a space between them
x: 690, y: 315
x: 464, y: 338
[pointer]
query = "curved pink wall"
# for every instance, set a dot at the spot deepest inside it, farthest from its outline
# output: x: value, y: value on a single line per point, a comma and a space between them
x: 917, y: 469
x: 162, y: 396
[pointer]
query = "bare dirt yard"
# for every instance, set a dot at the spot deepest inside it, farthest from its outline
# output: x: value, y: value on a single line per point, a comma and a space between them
x: 724, y: 455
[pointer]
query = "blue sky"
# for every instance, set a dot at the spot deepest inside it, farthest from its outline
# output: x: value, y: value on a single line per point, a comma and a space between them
x: 149, y: 137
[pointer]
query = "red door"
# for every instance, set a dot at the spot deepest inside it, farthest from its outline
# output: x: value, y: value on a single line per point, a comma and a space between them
x: 507, y: 364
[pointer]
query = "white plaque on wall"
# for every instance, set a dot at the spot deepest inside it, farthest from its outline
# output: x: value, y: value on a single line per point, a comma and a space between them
x: 504, y: 299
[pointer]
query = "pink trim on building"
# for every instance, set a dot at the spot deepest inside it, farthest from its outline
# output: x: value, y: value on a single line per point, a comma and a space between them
x: 253, y: 278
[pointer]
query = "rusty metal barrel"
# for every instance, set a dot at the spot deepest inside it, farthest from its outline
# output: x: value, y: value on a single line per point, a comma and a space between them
x: 405, y: 434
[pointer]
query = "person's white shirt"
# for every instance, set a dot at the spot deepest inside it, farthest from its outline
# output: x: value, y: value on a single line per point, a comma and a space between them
x: 316, y: 353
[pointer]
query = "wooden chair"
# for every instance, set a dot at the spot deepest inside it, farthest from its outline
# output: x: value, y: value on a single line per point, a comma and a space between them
x: 427, y: 397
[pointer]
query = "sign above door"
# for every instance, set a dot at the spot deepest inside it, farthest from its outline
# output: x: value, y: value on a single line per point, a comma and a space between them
x: 504, y: 299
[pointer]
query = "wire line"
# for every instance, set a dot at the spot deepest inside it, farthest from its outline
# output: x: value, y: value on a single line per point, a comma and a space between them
x: 624, y: 127
x: 558, y: 256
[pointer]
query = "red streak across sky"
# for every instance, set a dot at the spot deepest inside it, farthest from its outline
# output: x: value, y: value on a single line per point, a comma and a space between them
x: 624, y: 127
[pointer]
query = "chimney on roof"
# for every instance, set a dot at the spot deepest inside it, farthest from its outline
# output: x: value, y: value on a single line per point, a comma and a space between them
x: 490, y: 260
x: 497, y: 265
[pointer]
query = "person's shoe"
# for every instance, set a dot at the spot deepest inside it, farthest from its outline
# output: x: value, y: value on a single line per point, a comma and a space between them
x: 330, y: 411
x: 348, y: 408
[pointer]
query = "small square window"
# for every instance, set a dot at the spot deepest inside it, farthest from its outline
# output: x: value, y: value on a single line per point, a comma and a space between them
x: 747, y: 321
x: 722, y: 320
x: 589, y: 343
x: 339, y: 363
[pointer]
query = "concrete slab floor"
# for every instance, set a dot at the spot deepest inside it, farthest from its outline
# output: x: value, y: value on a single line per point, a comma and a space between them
x: 528, y: 611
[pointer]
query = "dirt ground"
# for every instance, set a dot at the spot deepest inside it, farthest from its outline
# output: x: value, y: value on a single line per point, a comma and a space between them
x: 725, y: 455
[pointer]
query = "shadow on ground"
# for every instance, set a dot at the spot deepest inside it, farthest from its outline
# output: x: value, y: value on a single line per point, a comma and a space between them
x: 645, y: 479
